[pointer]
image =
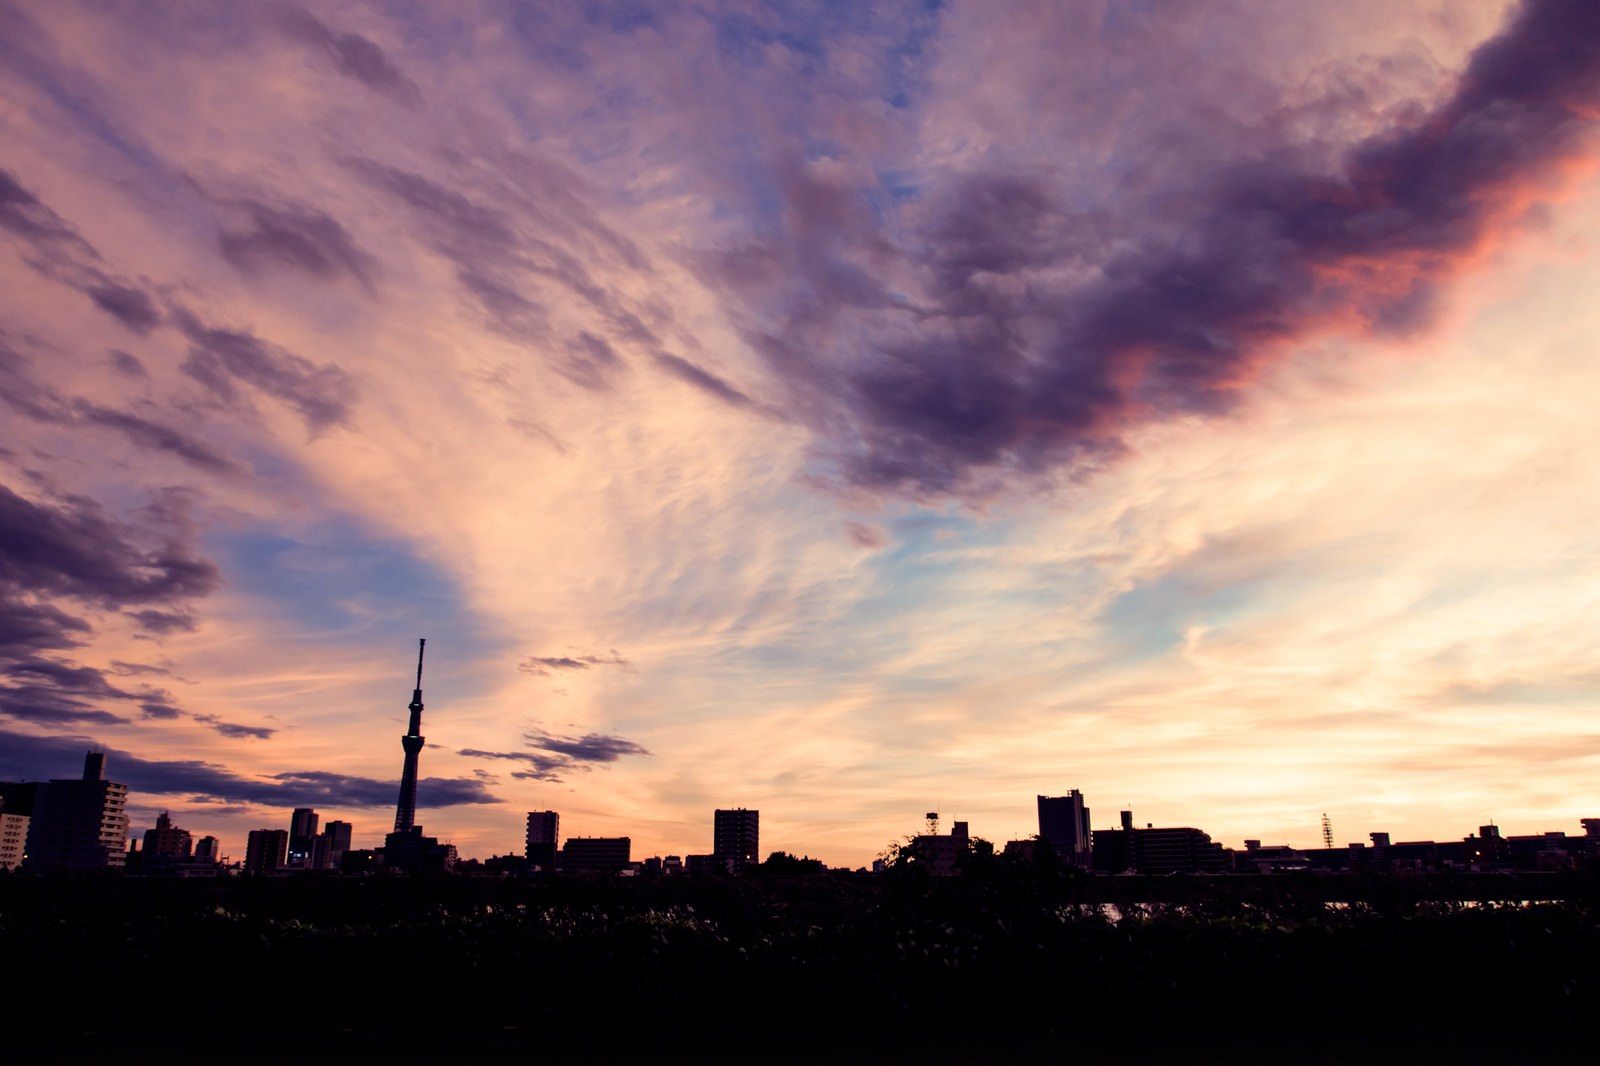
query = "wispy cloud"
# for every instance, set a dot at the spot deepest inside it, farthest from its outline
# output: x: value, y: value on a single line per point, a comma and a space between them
x: 553, y: 757
x: 542, y: 665
x: 25, y: 755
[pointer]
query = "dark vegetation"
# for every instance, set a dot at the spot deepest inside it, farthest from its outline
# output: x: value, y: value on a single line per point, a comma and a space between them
x: 1021, y: 950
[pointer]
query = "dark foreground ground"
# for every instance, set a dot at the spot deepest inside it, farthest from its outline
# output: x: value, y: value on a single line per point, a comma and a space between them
x: 1003, y: 966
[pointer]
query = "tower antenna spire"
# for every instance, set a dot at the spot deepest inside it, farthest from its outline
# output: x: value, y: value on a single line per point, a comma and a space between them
x: 405, y: 810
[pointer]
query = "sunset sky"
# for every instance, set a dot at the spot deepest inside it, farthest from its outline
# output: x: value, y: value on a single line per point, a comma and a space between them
x: 843, y: 410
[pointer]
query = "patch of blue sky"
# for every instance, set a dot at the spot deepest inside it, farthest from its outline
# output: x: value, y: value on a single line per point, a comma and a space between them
x: 1152, y: 619
x: 338, y: 583
x: 826, y: 647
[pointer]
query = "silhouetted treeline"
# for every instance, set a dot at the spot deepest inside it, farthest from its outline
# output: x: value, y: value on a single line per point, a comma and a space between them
x: 1004, y: 949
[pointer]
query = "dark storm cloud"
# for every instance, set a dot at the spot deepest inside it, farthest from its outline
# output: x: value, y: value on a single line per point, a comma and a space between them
x: 231, y: 729
x: 26, y: 757
x: 1039, y: 336
x: 297, y: 238
x: 224, y: 359
x: 541, y: 665
x: 352, y: 55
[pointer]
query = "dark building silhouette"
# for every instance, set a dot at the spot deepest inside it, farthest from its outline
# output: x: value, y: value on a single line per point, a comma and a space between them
x: 406, y: 849
x: 941, y: 853
x: 596, y: 854
x: 302, y: 837
x: 79, y: 824
x: 1157, y: 851
x: 736, y: 835
x: 265, y: 851
x: 206, y: 849
x: 1064, y: 823
x: 544, y: 836
x: 411, y: 852
x: 165, y: 846
x: 13, y: 836
x: 405, y: 813
x: 327, y: 851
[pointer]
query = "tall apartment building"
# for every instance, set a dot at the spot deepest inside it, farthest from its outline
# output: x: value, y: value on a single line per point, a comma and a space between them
x: 1064, y: 823
x: 736, y: 835
x: 302, y: 837
x: 80, y: 824
x: 327, y: 850
x: 166, y: 844
x: 266, y: 850
x: 544, y: 835
x: 13, y: 837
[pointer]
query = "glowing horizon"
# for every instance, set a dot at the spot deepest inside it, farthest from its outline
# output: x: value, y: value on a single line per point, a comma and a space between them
x: 842, y: 414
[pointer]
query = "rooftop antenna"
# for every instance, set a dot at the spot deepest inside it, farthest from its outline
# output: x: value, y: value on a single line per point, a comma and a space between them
x: 1327, y: 832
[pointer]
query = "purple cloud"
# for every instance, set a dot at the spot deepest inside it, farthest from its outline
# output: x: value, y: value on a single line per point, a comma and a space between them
x: 1027, y: 334
x: 542, y: 665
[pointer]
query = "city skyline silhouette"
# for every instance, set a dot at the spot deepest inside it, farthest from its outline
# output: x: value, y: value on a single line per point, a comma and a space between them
x: 839, y: 413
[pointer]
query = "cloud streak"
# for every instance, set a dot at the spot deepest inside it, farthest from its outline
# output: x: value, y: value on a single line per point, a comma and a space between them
x: 554, y: 757
x: 23, y: 756
x: 542, y: 665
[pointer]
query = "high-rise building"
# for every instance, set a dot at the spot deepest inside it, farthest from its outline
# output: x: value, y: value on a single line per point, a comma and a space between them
x: 327, y: 851
x: 302, y: 837
x: 13, y: 837
x: 80, y: 824
x: 166, y: 844
x: 205, y: 850
x: 544, y: 836
x: 1064, y: 823
x: 266, y: 850
x: 736, y: 835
